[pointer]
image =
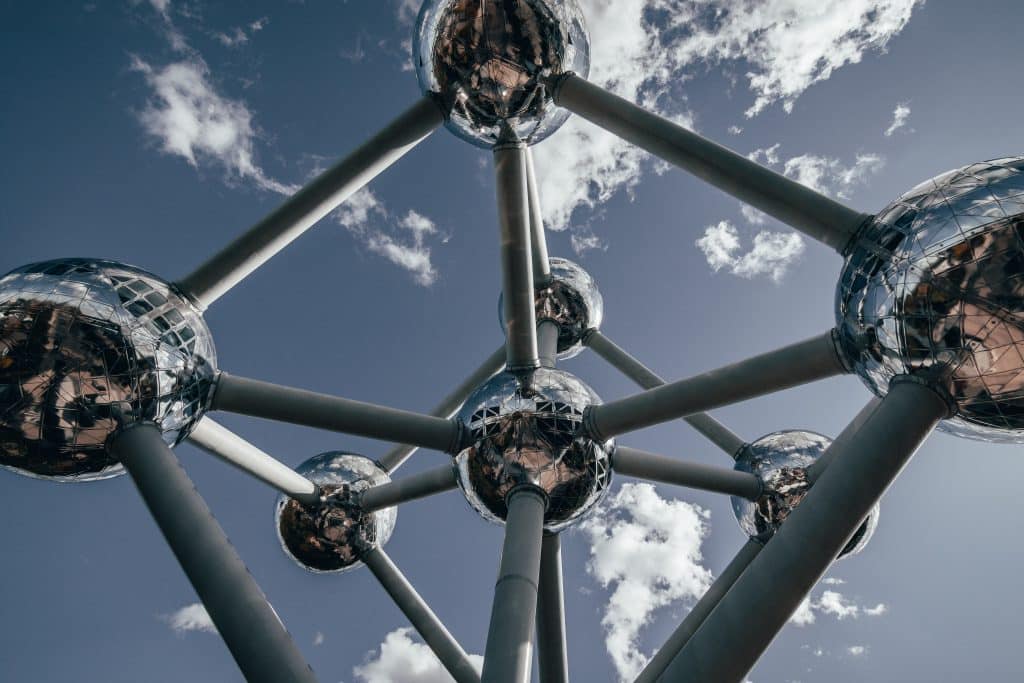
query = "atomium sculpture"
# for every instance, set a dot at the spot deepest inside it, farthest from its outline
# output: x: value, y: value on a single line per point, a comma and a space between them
x: 104, y: 367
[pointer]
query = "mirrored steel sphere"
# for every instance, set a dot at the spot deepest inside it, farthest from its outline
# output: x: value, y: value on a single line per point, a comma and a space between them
x: 486, y: 61
x: 530, y: 435
x: 572, y: 300
x: 781, y: 460
x: 934, y: 287
x: 331, y: 536
x: 86, y: 345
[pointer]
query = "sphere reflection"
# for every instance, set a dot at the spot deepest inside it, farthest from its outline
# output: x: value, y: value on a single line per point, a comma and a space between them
x: 85, y: 346
x: 332, y: 535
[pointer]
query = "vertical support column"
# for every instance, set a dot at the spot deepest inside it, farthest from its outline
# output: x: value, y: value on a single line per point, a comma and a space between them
x: 552, y: 655
x: 538, y: 238
x: 248, y: 624
x: 508, y: 655
x: 547, y: 343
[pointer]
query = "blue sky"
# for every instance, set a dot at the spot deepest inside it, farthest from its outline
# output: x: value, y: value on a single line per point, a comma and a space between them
x: 153, y: 132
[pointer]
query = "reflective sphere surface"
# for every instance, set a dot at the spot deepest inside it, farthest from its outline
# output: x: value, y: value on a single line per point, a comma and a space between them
x: 331, y: 536
x: 86, y: 345
x: 934, y: 287
x: 780, y: 460
x: 530, y: 436
x: 485, y: 60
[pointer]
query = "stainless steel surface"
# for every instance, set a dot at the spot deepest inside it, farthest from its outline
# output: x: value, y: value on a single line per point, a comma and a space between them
x: 538, y: 236
x: 547, y: 343
x: 412, y: 487
x: 636, y: 463
x: 552, y: 655
x: 88, y: 345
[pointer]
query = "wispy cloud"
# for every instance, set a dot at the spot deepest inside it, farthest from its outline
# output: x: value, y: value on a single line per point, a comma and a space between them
x: 900, y: 116
x: 189, y: 618
x: 771, y: 254
x: 835, y: 604
x: 400, y: 659
x: 240, y: 35
x: 318, y: 639
x: 856, y: 650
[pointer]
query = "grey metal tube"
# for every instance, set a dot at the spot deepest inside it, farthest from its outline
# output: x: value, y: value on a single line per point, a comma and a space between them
x: 547, y: 343
x: 413, y: 487
x: 507, y: 657
x: 233, y: 449
x: 841, y: 442
x: 538, y: 238
x: 516, y: 257
x: 637, y: 463
x: 739, y: 629
x: 661, y: 659
x: 707, y: 426
x: 810, y: 212
x: 253, y: 248
x: 422, y: 618
x: 450, y: 405
x: 298, y: 406
x: 248, y: 624
x: 552, y: 655
x: 790, y: 366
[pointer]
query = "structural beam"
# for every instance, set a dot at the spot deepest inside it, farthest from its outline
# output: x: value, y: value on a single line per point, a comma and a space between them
x: 707, y: 426
x: 450, y: 405
x: 508, y: 655
x: 413, y: 487
x: 644, y: 465
x: 538, y: 238
x: 422, y: 618
x: 547, y: 343
x: 245, y: 620
x: 552, y: 654
x: 234, y: 450
x: 298, y: 406
x: 510, y: 163
x: 810, y: 212
x: 790, y: 366
x: 249, y: 251
x: 738, y: 630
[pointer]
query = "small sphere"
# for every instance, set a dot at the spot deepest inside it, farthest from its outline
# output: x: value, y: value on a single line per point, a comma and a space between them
x: 486, y: 60
x: 332, y: 535
x: 529, y: 433
x: 934, y: 287
x: 781, y: 460
x: 87, y: 345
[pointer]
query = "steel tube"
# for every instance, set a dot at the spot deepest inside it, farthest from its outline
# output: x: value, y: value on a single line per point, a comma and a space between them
x: 507, y: 657
x: 552, y: 655
x: 516, y: 256
x: 422, y: 618
x: 661, y: 659
x: 790, y: 366
x: 636, y: 463
x: 746, y: 620
x: 841, y: 442
x: 248, y: 624
x: 297, y: 406
x: 234, y: 450
x: 547, y: 343
x: 413, y: 487
x: 249, y: 251
x: 810, y: 212
x: 538, y: 238
x: 707, y: 426
x: 450, y: 405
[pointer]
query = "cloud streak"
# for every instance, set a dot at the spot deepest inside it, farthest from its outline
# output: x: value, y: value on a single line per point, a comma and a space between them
x: 400, y: 659
x: 190, y: 618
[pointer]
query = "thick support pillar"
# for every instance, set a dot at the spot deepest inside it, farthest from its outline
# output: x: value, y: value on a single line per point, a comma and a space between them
x: 547, y: 343
x: 413, y: 487
x: 248, y: 624
x: 422, y: 618
x: 810, y: 212
x: 637, y: 463
x: 746, y: 620
x: 552, y: 655
x: 508, y: 655
x: 538, y: 238
x: 250, y: 250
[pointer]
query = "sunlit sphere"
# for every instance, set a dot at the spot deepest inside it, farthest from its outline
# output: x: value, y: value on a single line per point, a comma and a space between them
x: 333, y: 535
x: 570, y: 299
x: 86, y: 346
x: 934, y: 288
x: 531, y: 435
x: 781, y: 460
x: 486, y: 61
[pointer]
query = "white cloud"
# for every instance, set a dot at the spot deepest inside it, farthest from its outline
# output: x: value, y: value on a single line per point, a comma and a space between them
x: 833, y: 602
x: 649, y: 550
x: 804, y: 614
x: 771, y: 253
x: 876, y: 611
x: 829, y: 175
x: 240, y: 35
x: 900, y: 115
x: 583, y: 240
x: 401, y: 659
x: 318, y: 639
x: 735, y: 130
x: 856, y: 650
x: 833, y: 581
x: 192, y: 617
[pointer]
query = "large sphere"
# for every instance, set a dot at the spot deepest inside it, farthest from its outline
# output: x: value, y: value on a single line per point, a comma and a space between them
x: 570, y: 299
x: 781, y: 460
x: 530, y: 435
x: 934, y: 287
x: 486, y: 61
x: 332, y: 535
x: 85, y: 346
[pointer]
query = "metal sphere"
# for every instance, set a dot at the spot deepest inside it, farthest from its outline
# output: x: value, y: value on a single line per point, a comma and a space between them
x: 934, y: 288
x: 332, y: 535
x: 486, y: 61
x: 528, y: 433
x: 87, y: 345
x: 781, y: 460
